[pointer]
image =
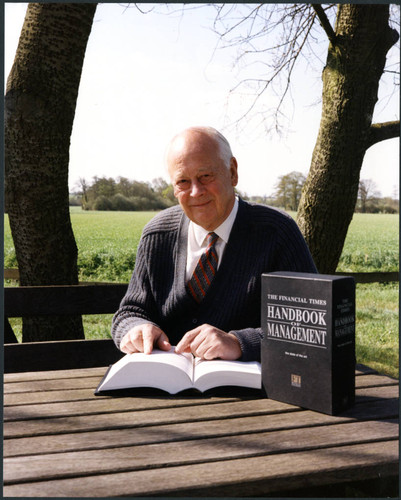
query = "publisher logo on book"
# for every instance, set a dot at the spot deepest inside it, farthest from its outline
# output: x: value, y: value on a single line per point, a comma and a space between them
x: 296, y: 380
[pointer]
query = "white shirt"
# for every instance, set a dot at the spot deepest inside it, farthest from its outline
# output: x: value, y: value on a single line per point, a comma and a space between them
x: 197, y: 240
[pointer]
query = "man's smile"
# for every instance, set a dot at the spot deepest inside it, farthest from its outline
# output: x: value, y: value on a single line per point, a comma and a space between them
x: 201, y: 204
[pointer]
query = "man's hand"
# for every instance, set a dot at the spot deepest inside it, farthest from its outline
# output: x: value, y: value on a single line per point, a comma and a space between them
x: 208, y: 342
x: 143, y: 338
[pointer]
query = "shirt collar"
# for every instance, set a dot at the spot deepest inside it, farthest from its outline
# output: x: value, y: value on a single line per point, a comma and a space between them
x: 223, y: 231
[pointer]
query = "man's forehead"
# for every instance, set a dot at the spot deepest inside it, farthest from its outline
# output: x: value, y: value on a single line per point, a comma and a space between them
x: 179, y: 169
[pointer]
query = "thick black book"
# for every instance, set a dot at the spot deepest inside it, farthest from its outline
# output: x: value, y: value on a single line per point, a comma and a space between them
x: 308, y: 348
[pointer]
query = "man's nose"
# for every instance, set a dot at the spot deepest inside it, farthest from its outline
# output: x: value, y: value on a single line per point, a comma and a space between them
x: 197, y: 188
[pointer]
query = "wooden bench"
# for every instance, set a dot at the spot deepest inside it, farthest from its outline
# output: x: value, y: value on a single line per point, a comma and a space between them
x: 59, y: 300
x: 366, y: 277
x: 62, y: 440
x: 56, y: 431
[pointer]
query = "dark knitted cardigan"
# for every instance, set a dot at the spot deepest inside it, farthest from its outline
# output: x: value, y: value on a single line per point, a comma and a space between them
x: 262, y: 239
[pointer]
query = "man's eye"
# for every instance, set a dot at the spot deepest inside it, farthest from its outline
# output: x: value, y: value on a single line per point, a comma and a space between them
x: 182, y: 183
x: 205, y: 178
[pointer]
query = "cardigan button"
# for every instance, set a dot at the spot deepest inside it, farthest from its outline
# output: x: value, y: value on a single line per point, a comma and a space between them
x: 194, y: 321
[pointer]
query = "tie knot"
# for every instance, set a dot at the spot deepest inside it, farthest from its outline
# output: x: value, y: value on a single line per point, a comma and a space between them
x: 212, y: 238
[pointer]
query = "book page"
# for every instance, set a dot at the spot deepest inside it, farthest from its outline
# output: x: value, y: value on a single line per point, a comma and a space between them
x: 218, y: 372
x: 182, y: 361
x: 164, y: 370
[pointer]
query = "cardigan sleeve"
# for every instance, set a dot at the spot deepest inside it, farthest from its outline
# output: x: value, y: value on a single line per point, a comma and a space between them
x: 249, y: 340
x: 137, y: 306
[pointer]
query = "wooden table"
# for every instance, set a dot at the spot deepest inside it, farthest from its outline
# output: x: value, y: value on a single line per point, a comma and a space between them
x: 61, y: 440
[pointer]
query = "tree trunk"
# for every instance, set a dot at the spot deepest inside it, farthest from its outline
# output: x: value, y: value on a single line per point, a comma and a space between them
x: 355, y: 63
x: 40, y: 101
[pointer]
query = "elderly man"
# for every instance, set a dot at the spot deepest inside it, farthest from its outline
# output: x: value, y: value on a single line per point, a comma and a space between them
x: 197, y: 277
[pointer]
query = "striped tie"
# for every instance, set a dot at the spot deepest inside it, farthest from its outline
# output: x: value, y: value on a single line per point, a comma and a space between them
x: 205, y: 270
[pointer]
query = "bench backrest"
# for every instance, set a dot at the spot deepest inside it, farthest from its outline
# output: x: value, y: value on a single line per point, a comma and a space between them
x: 60, y: 300
x: 59, y: 355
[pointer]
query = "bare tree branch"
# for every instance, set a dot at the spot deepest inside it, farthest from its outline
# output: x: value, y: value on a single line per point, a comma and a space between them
x: 324, y: 21
x: 382, y: 131
x: 272, y: 37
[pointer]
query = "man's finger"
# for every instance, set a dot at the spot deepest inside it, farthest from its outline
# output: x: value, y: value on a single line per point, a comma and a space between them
x: 147, y: 339
x: 163, y: 342
x: 128, y: 344
x: 184, y: 345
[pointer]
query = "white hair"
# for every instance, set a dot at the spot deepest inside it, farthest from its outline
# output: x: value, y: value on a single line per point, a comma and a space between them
x: 224, y: 145
x: 215, y: 135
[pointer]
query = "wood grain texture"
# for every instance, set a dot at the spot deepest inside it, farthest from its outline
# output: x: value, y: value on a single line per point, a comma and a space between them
x: 240, y: 477
x: 61, y: 440
x: 128, y: 458
x: 62, y: 299
x: 59, y: 355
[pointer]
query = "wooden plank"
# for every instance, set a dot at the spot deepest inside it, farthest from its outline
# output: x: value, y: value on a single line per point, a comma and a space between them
x: 96, y: 406
x: 104, y: 404
x: 375, y: 381
x: 69, y: 441
x: 367, y: 394
x: 19, y: 397
x: 49, y: 379
x: 361, y: 370
x: 62, y: 299
x: 89, y: 378
x: 59, y: 391
x: 142, y: 409
x: 174, y: 415
x: 54, y: 374
x: 374, y: 277
x: 59, y: 355
x: 255, y: 476
x: 128, y: 419
x: 57, y: 396
x: 382, y: 277
x: 51, y: 385
x: 111, y: 460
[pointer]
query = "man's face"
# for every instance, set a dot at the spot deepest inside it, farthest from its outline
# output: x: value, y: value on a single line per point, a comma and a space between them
x: 203, y: 184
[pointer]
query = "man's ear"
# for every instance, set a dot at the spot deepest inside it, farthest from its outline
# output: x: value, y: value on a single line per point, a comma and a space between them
x: 234, y: 171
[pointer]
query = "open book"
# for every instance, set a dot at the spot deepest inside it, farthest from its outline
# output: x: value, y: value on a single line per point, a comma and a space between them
x: 173, y: 373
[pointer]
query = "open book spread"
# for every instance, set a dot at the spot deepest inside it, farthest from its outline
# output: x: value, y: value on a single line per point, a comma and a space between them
x: 173, y: 372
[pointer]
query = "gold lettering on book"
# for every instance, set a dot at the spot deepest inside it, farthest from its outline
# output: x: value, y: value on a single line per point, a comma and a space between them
x: 297, y: 324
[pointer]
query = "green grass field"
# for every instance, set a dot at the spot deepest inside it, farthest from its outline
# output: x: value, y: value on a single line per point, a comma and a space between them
x: 107, y: 243
x: 372, y: 244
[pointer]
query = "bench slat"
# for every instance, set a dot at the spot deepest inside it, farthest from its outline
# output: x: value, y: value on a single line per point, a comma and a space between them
x: 111, y: 435
x: 256, y: 476
x: 62, y: 300
x: 59, y: 355
x: 212, y: 449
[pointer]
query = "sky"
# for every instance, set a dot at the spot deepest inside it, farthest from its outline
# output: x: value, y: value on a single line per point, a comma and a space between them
x: 148, y: 76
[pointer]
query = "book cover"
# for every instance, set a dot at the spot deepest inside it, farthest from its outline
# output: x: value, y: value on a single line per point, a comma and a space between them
x: 308, y: 348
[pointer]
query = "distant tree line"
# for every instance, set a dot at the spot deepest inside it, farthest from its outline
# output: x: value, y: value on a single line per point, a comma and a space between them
x: 123, y: 194
x: 370, y: 200
x: 288, y: 189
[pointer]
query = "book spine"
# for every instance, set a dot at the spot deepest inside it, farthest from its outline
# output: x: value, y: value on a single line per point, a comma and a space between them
x: 343, y: 363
